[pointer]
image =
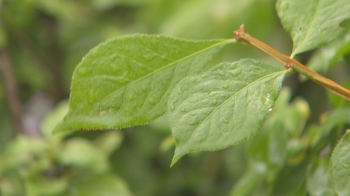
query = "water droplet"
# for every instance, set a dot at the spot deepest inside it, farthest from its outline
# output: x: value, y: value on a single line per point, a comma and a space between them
x: 115, y: 69
x: 236, y: 72
x: 226, y: 121
x: 233, y: 66
x: 183, y: 109
x: 93, y: 53
x: 268, y: 101
x: 83, y: 71
x: 220, y: 72
x: 193, y: 121
x: 194, y: 80
x: 172, y: 107
x: 204, y: 76
x: 152, y: 101
x: 214, y: 102
x: 225, y: 86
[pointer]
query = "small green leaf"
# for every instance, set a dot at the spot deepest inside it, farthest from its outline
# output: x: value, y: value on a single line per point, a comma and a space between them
x: 340, y: 166
x: 291, y: 180
x: 318, y: 181
x: 126, y: 81
x: 223, y: 107
x: 312, y: 23
x: 333, y: 119
x: 249, y: 180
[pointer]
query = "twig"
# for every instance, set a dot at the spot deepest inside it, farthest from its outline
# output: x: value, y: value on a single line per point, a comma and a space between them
x: 291, y: 63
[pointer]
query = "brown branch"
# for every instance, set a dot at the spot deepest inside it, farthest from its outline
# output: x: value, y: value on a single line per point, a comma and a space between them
x: 288, y: 62
x: 11, y: 91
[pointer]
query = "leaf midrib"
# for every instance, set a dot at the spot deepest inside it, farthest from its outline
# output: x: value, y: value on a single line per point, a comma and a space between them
x: 166, y: 66
x: 309, y: 31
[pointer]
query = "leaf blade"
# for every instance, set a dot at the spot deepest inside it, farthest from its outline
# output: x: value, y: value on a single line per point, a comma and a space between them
x: 339, y: 166
x: 312, y: 23
x: 125, y: 81
x: 198, y: 105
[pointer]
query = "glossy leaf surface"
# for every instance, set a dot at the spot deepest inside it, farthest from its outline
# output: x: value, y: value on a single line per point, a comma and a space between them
x: 312, y: 23
x: 126, y: 81
x: 223, y: 107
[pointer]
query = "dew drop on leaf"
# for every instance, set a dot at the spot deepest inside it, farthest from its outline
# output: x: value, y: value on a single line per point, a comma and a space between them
x: 152, y: 101
x: 115, y: 69
x: 93, y: 53
x: 183, y: 109
x: 270, y: 109
x: 221, y: 72
x: 83, y: 71
x: 233, y: 66
x: 226, y: 121
x: 225, y: 86
x: 214, y: 102
x: 204, y: 76
x: 236, y: 72
x: 193, y: 121
x: 172, y: 107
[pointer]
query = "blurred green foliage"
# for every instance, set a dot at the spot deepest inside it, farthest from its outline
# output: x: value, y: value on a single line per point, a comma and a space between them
x: 47, y: 39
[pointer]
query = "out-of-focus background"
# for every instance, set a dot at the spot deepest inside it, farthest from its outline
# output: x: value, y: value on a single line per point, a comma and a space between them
x: 42, y: 41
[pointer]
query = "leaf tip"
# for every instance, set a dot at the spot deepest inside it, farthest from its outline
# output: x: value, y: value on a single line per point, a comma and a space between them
x: 61, y: 128
x: 176, y: 158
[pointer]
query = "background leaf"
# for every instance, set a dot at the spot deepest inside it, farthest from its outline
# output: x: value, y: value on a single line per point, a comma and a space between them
x: 126, y: 81
x: 312, y: 23
x: 223, y: 107
x: 319, y: 182
x: 340, y: 167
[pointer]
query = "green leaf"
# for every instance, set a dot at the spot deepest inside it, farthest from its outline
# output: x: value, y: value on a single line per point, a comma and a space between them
x: 291, y: 181
x: 104, y: 184
x: 338, y: 117
x: 340, y: 166
x: 250, y: 180
x: 318, y: 181
x: 326, y: 57
x: 126, y: 81
x: 223, y: 107
x: 312, y: 23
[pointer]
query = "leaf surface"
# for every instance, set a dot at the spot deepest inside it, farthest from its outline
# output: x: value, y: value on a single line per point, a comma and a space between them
x: 340, y: 166
x: 225, y: 106
x: 318, y: 181
x: 126, y: 81
x: 312, y: 23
